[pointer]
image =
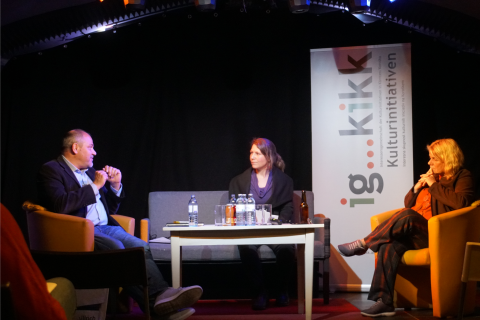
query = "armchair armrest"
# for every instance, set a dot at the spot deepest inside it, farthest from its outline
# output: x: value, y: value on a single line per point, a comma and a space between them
x: 447, y: 235
x: 50, y: 231
x: 379, y: 218
x: 323, y: 234
x: 127, y: 223
x: 145, y: 229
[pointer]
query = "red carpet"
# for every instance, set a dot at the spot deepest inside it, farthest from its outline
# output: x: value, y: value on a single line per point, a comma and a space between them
x: 205, y: 308
x: 236, y: 307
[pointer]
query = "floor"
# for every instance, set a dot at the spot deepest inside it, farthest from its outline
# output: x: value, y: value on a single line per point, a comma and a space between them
x: 360, y: 301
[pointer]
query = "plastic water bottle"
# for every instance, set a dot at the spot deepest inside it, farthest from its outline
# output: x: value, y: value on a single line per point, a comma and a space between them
x: 250, y: 210
x: 193, y: 212
x: 240, y: 210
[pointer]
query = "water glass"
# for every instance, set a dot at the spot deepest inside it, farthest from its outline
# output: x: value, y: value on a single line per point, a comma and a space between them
x: 220, y: 215
x: 263, y: 213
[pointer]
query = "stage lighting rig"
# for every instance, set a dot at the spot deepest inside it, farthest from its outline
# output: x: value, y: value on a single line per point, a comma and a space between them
x: 205, y: 5
x: 134, y: 5
x: 298, y: 6
x: 358, y: 6
x: 360, y: 9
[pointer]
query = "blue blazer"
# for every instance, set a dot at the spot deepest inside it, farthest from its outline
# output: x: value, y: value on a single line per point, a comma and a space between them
x: 59, y: 191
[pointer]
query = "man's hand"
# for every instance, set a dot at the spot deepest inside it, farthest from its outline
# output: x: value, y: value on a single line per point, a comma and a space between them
x: 100, y: 179
x: 426, y: 178
x: 114, y: 176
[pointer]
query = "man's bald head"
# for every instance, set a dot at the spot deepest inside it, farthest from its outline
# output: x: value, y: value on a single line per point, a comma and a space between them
x: 73, y: 136
x: 78, y: 148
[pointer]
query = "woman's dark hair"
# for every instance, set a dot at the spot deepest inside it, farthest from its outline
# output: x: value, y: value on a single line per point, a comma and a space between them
x: 269, y: 150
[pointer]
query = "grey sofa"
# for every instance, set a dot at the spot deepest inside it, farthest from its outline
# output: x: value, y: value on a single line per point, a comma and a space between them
x: 168, y: 206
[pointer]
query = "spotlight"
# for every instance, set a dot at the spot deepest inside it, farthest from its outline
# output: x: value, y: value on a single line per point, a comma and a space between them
x: 366, y: 17
x: 361, y: 10
x: 358, y: 6
x: 299, y: 6
x: 134, y: 5
x: 205, y: 5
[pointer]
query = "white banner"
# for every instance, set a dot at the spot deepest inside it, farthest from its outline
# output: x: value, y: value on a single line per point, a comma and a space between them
x: 362, y: 161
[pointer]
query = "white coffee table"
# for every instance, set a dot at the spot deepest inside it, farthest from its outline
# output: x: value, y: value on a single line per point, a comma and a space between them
x: 300, y: 234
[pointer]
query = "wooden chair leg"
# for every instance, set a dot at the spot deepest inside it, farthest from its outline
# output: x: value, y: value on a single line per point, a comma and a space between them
x: 462, y: 300
x: 326, y: 282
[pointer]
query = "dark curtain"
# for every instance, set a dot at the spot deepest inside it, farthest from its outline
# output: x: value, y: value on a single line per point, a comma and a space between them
x: 174, y: 102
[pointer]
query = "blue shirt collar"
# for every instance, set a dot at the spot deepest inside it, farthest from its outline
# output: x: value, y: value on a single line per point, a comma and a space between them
x: 72, y: 167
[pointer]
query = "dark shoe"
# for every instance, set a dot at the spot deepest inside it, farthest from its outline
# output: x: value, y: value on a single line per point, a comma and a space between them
x: 174, y: 299
x: 379, y: 309
x: 354, y: 248
x: 260, y: 302
x: 282, y: 299
x: 176, y: 315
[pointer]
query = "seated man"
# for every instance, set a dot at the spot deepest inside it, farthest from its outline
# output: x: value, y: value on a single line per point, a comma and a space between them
x: 70, y: 185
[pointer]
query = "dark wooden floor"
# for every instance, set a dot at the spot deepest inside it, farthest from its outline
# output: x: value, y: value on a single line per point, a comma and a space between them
x: 360, y: 301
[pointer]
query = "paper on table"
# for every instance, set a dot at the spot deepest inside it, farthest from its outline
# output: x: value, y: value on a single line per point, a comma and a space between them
x: 161, y: 240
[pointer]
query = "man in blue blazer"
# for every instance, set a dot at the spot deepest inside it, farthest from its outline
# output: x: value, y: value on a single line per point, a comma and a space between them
x: 70, y: 185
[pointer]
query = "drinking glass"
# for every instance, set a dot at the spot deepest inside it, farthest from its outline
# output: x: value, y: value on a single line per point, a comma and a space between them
x: 220, y: 215
x: 263, y: 213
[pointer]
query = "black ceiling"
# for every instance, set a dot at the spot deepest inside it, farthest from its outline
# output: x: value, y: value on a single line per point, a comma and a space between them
x: 58, y: 27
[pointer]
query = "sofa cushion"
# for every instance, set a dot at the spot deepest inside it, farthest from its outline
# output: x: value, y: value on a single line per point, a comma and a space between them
x: 168, y: 206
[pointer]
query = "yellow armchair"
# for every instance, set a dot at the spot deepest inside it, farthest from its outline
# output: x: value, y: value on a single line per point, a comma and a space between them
x: 428, y: 278
x: 50, y: 231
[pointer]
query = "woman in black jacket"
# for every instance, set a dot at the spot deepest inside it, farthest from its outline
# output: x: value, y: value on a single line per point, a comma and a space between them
x: 267, y: 183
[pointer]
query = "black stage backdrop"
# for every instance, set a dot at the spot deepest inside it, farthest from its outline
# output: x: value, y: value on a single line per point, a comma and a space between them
x: 175, y: 102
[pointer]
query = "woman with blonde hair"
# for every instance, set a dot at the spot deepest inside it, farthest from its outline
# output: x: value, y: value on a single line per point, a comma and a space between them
x: 445, y: 187
x: 267, y: 183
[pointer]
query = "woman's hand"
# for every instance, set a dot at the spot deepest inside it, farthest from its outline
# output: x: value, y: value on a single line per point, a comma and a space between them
x: 426, y: 178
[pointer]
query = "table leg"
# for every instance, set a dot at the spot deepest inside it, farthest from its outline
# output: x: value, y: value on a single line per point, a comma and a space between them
x: 176, y: 261
x: 309, y: 244
x: 301, y: 277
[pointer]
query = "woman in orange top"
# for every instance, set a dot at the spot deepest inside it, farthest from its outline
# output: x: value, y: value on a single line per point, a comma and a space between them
x: 445, y: 187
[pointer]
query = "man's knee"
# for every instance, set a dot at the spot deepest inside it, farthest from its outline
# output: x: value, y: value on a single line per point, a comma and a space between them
x: 107, y: 243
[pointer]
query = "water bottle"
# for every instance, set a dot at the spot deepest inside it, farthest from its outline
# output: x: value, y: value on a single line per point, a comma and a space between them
x: 193, y: 212
x: 250, y: 210
x: 240, y: 210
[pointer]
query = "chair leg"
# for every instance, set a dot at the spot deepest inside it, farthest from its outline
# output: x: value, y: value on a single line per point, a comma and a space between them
x: 112, y: 301
x: 146, y: 302
x: 326, y: 281
x: 462, y: 300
